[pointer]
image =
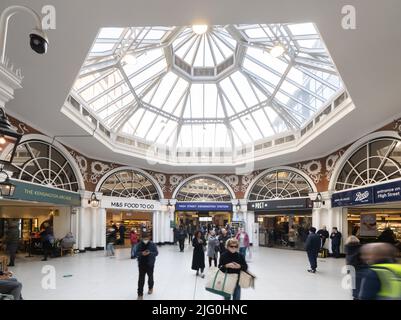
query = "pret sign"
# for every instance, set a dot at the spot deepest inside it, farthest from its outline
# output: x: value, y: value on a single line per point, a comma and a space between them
x: 288, y: 204
x: 130, y: 204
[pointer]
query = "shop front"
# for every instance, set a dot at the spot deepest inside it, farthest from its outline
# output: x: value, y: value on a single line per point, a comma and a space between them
x: 132, y: 214
x: 32, y: 207
x: 373, y: 213
x: 201, y: 214
x: 282, y: 223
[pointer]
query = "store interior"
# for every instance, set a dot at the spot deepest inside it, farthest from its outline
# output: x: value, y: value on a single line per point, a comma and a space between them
x: 31, y: 217
x: 138, y: 220
x: 284, y: 229
x: 198, y: 218
x: 374, y: 220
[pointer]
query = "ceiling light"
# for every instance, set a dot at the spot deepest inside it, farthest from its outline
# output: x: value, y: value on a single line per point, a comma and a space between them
x: 277, y: 51
x: 200, y: 28
x: 2, y: 140
x: 129, y: 59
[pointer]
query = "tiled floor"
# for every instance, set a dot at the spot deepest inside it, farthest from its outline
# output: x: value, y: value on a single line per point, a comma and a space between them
x: 281, y: 274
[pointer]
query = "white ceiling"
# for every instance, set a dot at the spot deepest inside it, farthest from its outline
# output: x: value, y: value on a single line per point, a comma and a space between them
x: 367, y: 58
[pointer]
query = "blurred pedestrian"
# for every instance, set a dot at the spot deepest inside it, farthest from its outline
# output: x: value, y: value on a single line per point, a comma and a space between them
x: 353, y: 259
x: 382, y: 280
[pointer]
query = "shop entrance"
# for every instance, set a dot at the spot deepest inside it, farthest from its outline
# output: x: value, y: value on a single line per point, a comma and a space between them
x: 284, y: 229
x: 31, y: 217
x: 375, y: 223
x: 137, y: 220
x: 200, y: 219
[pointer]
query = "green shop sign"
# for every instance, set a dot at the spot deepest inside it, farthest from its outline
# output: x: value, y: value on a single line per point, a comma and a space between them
x: 34, y: 192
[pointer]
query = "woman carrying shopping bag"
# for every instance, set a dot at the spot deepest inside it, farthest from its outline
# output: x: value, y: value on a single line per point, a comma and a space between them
x: 231, y: 261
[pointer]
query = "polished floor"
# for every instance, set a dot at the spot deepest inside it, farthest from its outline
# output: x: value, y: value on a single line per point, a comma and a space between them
x: 281, y: 274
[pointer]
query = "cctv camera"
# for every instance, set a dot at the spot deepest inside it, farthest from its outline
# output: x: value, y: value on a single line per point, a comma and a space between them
x: 39, y: 41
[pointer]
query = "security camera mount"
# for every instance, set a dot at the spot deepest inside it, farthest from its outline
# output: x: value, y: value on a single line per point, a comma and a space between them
x: 4, y: 20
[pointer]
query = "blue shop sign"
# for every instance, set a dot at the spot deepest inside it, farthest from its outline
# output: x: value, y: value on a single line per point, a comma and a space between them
x: 388, y: 192
x: 353, y: 197
x: 203, y: 206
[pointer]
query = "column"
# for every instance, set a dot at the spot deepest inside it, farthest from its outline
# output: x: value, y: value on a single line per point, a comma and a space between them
x: 94, y: 212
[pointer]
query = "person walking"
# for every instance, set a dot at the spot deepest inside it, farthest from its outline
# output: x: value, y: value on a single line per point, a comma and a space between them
x: 231, y: 261
x: 134, y: 240
x: 212, y: 248
x: 181, y: 237
x: 223, y: 237
x: 353, y: 260
x: 121, y: 231
x: 47, y: 239
x: 382, y: 279
x: 198, y: 257
x: 312, y: 247
x: 243, y: 239
x: 324, y: 235
x: 335, y: 242
x: 190, y: 232
x: 146, y: 252
x: 111, y: 237
x: 12, y: 239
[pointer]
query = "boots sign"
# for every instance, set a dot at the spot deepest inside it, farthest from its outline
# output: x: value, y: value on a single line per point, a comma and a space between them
x: 130, y: 204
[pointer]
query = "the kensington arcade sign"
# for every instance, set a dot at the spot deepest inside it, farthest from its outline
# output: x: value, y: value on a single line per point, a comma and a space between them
x: 130, y: 204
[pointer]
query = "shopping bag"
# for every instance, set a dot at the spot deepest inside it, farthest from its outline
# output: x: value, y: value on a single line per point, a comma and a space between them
x: 220, y: 282
x: 246, y: 280
x: 323, y: 253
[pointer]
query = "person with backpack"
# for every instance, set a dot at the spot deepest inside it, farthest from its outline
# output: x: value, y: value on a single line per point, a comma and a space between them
x: 47, y: 239
x: 146, y: 252
x: 382, y: 279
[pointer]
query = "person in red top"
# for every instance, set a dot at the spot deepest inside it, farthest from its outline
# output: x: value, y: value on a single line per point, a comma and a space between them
x: 134, y: 240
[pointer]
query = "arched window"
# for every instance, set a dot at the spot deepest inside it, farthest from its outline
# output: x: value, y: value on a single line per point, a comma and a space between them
x: 129, y: 183
x: 375, y: 161
x: 280, y: 184
x: 40, y: 162
x: 203, y: 189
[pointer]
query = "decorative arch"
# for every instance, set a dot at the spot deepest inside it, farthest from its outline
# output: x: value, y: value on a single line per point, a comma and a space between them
x: 373, y: 159
x: 278, y: 183
x: 130, y: 182
x: 190, y: 189
x: 42, y: 160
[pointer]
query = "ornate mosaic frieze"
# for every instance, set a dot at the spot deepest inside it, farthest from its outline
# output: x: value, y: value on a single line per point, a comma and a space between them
x: 313, y: 169
x: 331, y: 161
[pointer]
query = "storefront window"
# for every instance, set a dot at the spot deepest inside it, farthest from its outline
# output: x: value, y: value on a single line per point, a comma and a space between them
x: 283, y: 231
x: 203, y: 189
x: 41, y: 163
x: 129, y: 184
x: 376, y: 161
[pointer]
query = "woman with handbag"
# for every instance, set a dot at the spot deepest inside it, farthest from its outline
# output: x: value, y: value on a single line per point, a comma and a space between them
x: 198, y: 257
x: 231, y: 261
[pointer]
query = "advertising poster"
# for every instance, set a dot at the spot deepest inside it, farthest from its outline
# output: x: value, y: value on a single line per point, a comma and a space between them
x: 368, y: 225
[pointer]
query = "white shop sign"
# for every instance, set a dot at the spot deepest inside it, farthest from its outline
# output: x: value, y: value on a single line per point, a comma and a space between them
x: 130, y: 204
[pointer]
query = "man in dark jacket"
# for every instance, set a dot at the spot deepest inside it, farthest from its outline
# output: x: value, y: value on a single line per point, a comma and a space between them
x: 223, y: 237
x: 121, y: 230
x: 12, y: 239
x: 181, y: 237
x: 146, y: 252
x: 312, y: 247
x: 335, y: 242
x: 324, y: 234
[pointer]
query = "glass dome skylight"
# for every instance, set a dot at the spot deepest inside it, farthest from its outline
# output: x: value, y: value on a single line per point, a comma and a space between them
x: 172, y: 87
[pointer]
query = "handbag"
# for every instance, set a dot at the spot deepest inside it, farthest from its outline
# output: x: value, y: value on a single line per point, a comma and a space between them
x: 246, y: 280
x: 221, y: 283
